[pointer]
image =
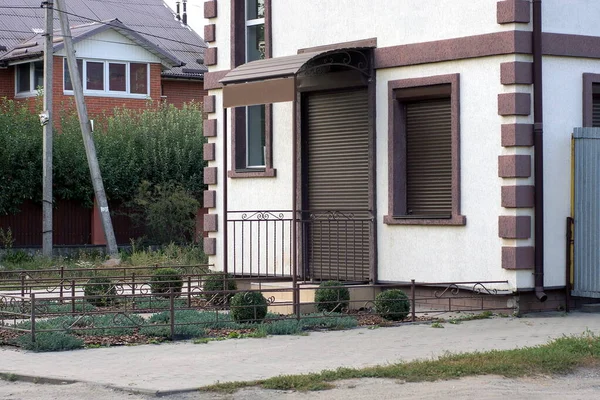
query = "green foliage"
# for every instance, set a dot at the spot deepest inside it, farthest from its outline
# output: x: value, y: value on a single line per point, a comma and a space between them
x: 186, y: 324
x: 161, y: 144
x: 216, y: 283
x: 20, y: 156
x: 50, y: 341
x: 335, y: 321
x: 166, y: 210
x: 392, y: 305
x: 329, y: 298
x: 248, y: 307
x: 165, y: 280
x: 16, y: 257
x: 100, y: 291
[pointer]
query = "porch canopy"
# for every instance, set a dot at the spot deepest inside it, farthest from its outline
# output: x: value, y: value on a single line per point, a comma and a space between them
x: 273, y: 80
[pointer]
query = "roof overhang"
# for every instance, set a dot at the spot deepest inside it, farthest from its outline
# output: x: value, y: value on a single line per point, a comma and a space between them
x: 273, y: 80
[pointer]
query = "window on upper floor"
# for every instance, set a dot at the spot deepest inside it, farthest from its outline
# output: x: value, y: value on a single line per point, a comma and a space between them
x: 110, y: 78
x: 29, y: 77
x: 255, y: 115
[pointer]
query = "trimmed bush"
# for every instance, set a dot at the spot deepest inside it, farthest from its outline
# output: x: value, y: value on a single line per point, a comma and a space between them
x: 392, y: 305
x: 216, y: 283
x: 331, y: 299
x: 100, y: 291
x: 50, y: 341
x: 164, y: 280
x: 248, y: 307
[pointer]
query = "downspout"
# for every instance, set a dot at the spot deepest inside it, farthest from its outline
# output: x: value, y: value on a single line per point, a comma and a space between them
x: 538, y: 144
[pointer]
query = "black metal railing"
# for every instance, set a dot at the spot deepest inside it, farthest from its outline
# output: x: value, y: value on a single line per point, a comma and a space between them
x: 327, y: 244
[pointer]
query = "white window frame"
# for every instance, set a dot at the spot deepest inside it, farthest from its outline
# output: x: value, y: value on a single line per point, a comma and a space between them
x: 32, y: 88
x: 249, y: 23
x: 106, y: 92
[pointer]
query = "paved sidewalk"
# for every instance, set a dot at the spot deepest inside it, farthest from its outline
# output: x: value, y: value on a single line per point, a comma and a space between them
x: 183, y: 366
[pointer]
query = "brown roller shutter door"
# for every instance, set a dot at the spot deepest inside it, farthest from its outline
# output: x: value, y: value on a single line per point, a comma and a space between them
x: 338, y: 180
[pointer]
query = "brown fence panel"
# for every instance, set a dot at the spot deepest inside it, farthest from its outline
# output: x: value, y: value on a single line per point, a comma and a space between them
x: 26, y: 225
x: 72, y: 223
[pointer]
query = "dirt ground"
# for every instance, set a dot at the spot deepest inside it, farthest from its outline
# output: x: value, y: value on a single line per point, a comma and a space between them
x: 584, y: 385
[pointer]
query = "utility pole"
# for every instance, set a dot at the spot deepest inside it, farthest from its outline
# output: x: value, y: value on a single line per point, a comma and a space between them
x: 86, y: 131
x: 46, y: 121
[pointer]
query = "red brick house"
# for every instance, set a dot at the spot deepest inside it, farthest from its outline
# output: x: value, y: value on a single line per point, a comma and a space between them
x: 126, y: 56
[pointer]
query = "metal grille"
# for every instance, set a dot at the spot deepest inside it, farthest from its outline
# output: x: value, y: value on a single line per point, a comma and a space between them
x: 429, y: 158
x: 338, y: 186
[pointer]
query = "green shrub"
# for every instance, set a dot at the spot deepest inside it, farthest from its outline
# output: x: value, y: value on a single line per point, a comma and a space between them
x: 248, y: 307
x: 217, y: 283
x: 392, y: 305
x: 100, y: 291
x: 50, y: 341
x: 328, y: 298
x: 165, y: 280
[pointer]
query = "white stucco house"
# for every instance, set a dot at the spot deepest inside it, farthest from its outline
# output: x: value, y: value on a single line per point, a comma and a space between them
x: 383, y: 141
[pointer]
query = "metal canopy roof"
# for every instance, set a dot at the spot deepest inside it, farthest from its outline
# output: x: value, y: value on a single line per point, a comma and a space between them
x: 273, y: 80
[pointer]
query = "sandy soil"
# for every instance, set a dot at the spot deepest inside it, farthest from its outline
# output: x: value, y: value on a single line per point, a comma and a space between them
x: 583, y: 385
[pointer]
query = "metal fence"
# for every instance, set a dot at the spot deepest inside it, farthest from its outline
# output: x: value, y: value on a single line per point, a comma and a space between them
x: 57, y: 301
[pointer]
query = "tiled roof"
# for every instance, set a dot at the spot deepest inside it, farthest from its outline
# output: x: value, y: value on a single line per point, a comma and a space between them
x: 152, y: 19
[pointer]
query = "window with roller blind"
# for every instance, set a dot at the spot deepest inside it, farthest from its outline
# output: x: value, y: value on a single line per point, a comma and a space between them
x: 424, y: 175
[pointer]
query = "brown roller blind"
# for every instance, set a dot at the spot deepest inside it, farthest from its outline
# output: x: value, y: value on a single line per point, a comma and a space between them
x: 596, y: 112
x: 429, y: 158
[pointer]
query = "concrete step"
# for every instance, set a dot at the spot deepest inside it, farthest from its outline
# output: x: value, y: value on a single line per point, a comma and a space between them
x: 590, y: 308
x: 283, y: 294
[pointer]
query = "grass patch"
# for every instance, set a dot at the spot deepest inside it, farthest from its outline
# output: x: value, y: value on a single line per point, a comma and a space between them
x: 560, y: 356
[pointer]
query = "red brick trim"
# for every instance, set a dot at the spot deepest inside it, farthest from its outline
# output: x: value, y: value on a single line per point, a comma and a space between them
x: 210, y: 56
x: 514, y: 227
x: 210, y: 199
x: 517, y: 135
x: 210, y: 246
x: 210, y: 175
x: 210, y: 127
x: 209, y: 104
x: 518, y: 196
x: 514, y: 166
x: 513, y: 11
x: 518, y: 257
x: 209, y: 33
x: 514, y: 104
x: 209, y: 152
x: 211, y: 222
x: 490, y: 44
x: 211, y: 79
x: 560, y: 44
x: 210, y: 9
x: 518, y: 72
